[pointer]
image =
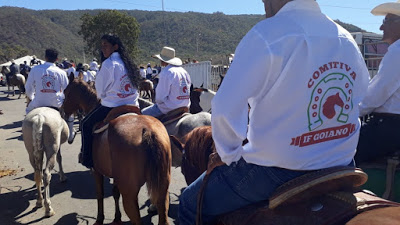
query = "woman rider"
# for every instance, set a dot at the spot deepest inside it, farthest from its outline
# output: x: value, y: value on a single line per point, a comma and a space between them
x: 116, y: 84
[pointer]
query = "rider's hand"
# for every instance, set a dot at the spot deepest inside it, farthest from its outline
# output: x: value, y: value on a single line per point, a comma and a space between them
x: 214, y: 160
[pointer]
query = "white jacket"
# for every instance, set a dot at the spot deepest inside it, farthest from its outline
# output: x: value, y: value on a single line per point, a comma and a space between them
x: 383, y: 95
x: 173, y: 89
x: 45, y: 86
x: 303, y: 77
x: 113, y: 85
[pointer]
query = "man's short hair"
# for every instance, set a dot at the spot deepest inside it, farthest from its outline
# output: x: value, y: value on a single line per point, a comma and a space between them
x: 51, y: 54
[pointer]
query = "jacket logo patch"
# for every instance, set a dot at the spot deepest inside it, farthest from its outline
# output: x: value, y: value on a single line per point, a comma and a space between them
x: 48, y: 84
x: 331, y: 99
x: 126, y: 88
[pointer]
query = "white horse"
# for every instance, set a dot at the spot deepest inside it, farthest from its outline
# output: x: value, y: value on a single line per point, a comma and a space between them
x: 19, y: 81
x: 43, y: 132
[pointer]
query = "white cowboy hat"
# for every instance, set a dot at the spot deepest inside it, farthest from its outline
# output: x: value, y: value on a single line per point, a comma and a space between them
x: 168, y: 55
x: 386, y: 8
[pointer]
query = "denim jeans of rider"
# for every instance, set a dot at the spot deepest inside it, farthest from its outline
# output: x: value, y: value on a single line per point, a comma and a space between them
x: 95, y: 116
x: 230, y: 188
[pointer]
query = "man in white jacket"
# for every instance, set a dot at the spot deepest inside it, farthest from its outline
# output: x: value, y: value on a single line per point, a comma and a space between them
x: 379, y: 134
x: 45, y: 87
x: 303, y: 77
x: 173, y: 89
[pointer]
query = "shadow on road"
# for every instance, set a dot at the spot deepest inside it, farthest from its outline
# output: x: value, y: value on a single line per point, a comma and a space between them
x: 81, y: 184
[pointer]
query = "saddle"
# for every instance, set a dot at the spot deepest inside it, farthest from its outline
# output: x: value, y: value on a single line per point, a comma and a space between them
x: 114, y: 113
x: 173, y: 115
x: 321, y: 197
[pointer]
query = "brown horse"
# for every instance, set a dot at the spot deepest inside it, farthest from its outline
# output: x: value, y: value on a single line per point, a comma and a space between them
x: 336, y: 206
x: 146, y: 89
x: 135, y: 149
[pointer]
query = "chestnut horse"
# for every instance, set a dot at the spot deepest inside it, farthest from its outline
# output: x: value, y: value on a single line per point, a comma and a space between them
x: 135, y: 149
x: 199, y: 145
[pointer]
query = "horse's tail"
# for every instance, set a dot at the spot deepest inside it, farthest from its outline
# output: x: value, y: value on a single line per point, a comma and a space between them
x: 37, y: 136
x: 159, y: 164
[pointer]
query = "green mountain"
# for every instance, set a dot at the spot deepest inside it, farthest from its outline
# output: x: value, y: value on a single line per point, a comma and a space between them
x: 193, y: 35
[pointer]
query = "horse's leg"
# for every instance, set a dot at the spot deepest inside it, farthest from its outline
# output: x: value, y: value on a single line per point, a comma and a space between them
x: 130, y: 202
x: 37, y: 164
x: 117, y: 215
x: 59, y: 161
x: 100, y: 197
x: 46, y: 181
x: 8, y: 90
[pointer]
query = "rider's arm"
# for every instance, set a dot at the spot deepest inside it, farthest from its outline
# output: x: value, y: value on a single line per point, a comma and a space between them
x: 383, y: 85
x: 30, y: 85
x: 242, y: 85
x: 104, y: 79
x: 163, y: 87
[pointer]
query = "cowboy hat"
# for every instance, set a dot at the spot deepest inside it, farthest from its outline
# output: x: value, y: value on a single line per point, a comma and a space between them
x: 386, y: 8
x: 168, y: 55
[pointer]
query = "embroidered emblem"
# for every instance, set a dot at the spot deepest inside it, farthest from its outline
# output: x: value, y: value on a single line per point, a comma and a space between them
x: 48, y: 84
x: 126, y: 88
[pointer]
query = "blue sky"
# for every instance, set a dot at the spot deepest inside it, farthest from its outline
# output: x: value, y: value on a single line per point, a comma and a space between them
x: 356, y: 12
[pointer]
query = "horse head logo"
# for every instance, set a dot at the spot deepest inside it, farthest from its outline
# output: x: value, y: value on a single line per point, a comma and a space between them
x: 328, y: 109
x: 127, y: 87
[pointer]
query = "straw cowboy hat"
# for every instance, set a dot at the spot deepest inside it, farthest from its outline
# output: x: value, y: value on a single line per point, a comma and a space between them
x: 386, y: 8
x: 168, y: 55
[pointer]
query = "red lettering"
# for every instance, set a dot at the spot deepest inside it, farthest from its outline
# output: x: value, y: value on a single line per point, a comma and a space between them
x: 310, y: 83
x: 348, y: 68
x: 335, y: 64
x: 323, y: 68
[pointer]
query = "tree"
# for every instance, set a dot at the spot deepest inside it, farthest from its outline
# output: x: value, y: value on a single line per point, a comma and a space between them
x: 110, y: 21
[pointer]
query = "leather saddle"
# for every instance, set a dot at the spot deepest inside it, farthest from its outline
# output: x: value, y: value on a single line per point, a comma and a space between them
x: 173, y: 115
x: 114, y: 113
x: 324, y: 196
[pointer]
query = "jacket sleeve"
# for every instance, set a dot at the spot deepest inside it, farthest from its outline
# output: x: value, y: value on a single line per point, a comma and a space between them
x: 383, y: 85
x: 163, y: 87
x: 104, y: 79
x: 30, y: 85
x: 242, y: 84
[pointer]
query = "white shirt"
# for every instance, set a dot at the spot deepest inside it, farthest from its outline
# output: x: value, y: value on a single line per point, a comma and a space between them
x: 303, y: 77
x: 45, y: 86
x: 113, y: 85
x: 383, y: 94
x: 173, y: 89
x: 71, y: 70
x: 142, y: 73
x: 149, y: 70
x: 94, y: 66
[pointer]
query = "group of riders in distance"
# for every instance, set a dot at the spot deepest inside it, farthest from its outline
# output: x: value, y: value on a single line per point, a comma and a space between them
x: 281, y: 146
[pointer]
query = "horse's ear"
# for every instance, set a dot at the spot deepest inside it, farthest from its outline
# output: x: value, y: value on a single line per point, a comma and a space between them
x: 71, y: 77
x: 201, y: 85
x: 80, y: 75
x: 176, y: 142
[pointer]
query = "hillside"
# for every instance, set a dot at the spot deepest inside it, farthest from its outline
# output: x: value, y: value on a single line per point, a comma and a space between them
x: 193, y: 35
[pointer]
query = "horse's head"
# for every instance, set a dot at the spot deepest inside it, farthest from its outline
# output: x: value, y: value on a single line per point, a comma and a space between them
x: 78, y: 95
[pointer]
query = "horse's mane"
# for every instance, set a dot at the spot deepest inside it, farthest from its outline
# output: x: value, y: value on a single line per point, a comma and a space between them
x: 87, y: 92
x: 199, y: 144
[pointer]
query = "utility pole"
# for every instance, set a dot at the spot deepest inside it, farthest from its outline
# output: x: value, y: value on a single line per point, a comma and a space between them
x: 165, y: 25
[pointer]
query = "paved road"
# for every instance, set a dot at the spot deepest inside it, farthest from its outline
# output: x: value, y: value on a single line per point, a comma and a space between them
x: 73, y: 201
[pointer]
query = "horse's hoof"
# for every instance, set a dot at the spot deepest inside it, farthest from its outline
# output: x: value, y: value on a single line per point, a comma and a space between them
x: 152, y: 208
x: 116, y: 223
x: 97, y: 223
x: 39, y: 204
x: 71, y: 138
x: 50, y: 213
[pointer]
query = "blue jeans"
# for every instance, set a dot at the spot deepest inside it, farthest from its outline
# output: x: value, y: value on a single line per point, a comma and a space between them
x: 230, y: 188
x: 152, y: 110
